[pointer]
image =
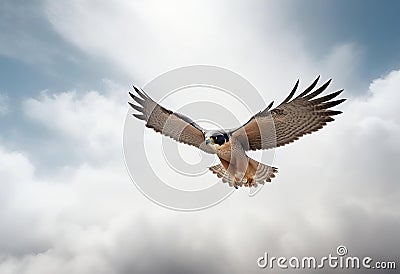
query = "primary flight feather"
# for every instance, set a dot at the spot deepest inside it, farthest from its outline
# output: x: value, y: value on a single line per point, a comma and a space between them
x: 267, y: 129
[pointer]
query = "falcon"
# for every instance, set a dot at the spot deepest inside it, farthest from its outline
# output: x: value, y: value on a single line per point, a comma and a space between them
x: 268, y: 129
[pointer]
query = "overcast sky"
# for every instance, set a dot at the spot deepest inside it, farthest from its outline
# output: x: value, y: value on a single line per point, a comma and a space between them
x: 67, y: 203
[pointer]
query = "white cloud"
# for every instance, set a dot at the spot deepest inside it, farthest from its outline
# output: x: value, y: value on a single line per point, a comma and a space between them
x: 89, y: 124
x: 144, y: 39
x: 93, y: 220
x: 337, y: 186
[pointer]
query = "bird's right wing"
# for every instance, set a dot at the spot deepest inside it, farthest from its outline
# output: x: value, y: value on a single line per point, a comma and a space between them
x: 177, y: 126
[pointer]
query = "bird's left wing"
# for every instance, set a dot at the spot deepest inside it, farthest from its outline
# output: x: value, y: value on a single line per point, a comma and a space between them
x: 290, y: 120
x: 175, y: 125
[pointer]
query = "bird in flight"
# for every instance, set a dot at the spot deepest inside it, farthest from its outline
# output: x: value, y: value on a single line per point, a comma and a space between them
x: 267, y: 129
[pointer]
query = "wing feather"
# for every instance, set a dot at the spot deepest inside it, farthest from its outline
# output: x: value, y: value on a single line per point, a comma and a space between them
x: 292, y: 119
x: 175, y: 125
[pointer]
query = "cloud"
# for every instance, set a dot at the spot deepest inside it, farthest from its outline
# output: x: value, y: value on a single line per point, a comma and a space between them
x: 143, y: 40
x: 336, y: 186
x: 91, y: 219
x: 77, y: 225
x: 373, y: 131
x: 83, y: 123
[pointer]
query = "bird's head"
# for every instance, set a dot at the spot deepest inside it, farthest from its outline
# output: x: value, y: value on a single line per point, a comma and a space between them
x: 216, y: 138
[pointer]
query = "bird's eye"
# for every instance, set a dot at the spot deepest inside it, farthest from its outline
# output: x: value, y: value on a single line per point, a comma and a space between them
x: 220, y: 140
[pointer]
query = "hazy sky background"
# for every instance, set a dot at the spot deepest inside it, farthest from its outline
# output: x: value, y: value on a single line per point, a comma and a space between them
x: 67, y: 204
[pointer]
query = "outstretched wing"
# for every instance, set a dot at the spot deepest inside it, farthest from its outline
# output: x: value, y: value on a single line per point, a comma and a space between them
x: 291, y: 119
x: 177, y: 126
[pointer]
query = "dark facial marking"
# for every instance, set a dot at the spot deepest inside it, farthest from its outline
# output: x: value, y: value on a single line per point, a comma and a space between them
x: 226, y: 137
